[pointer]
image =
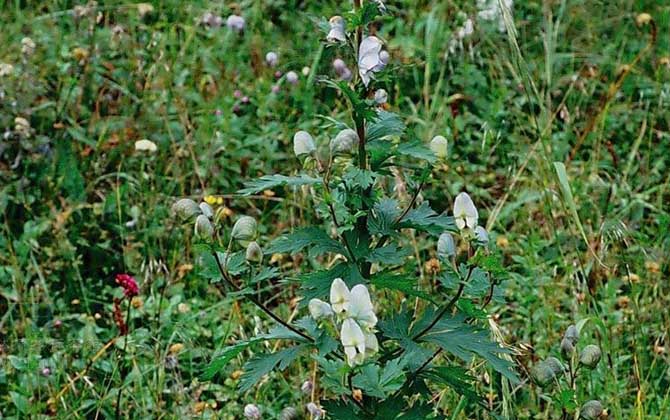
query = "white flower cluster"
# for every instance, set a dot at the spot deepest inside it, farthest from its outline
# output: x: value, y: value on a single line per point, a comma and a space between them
x: 490, y: 10
x: 466, y: 217
x: 354, y: 308
x: 464, y: 31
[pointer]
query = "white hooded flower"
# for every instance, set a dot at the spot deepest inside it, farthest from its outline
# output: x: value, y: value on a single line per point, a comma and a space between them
x: 371, y: 58
x: 254, y: 253
x: 272, y: 58
x: 206, y: 209
x: 203, y: 227
x: 345, y: 141
x: 303, y: 143
x: 235, y: 23
x: 381, y: 97
x: 244, y: 229
x: 6, y: 69
x: 337, y: 30
x: 439, y: 146
x: 445, y: 246
x: 353, y: 341
x: 339, y: 296
x: 145, y: 145
x: 482, y: 235
x: 371, y: 344
x: 360, y: 307
x: 319, y: 309
x: 465, y: 211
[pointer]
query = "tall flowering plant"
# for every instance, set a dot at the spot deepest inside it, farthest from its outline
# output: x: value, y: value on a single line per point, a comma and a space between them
x: 384, y: 337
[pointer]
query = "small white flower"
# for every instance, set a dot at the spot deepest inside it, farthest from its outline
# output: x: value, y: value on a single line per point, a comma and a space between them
x: 319, y: 309
x: 6, y: 69
x: 144, y: 9
x: 211, y: 20
x: 244, y: 229
x: 22, y: 126
x: 27, y: 46
x: 465, y: 211
x: 353, y: 341
x: 307, y: 387
x: 482, y: 235
x: 292, y: 77
x: 272, y: 58
x: 235, y: 23
x: 339, y: 65
x: 303, y: 143
x: 445, y: 246
x: 252, y: 412
x: 346, y: 75
x: 145, y: 145
x: 337, y: 30
x: 371, y: 344
x: 371, y: 58
x: 315, y: 411
x: 254, y: 253
x: 339, y: 296
x: 381, y: 97
x: 345, y: 141
x: 439, y: 146
x: 305, y: 71
x: 360, y: 307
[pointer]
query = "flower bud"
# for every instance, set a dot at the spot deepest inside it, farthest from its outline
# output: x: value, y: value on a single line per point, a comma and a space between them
x: 567, y: 349
x: 319, y: 309
x: 145, y: 145
x: 337, y: 30
x: 252, y: 412
x: 381, y: 97
x: 27, y: 46
x: 289, y: 413
x: 306, y: 387
x: 203, y: 227
x: 315, y: 411
x: 439, y: 146
x: 206, y: 210
x: 235, y: 23
x: 572, y: 335
x: 272, y: 58
x: 303, y: 143
x: 345, y: 141
x: 254, y: 252
x: 446, y: 247
x: 292, y: 77
x: 591, y: 410
x: 186, y: 208
x: 339, y: 65
x: 244, y: 230
x: 305, y: 71
x: 481, y: 235
x: 590, y: 356
x: 545, y: 372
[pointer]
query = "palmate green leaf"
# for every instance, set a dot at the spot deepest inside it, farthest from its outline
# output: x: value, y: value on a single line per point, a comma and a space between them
x: 316, y: 239
x: 340, y: 409
x: 356, y: 177
x: 380, y: 382
x: 426, y: 219
x: 456, y: 378
x: 386, y: 125
x: 384, y: 214
x: 418, y: 150
x: 465, y: 341
x: 393, y: 281
x: 334, y: 377
x: 268, y: 182
x: 398, y: 328
x: 317, y: 284
x: 259, y: 366
x: 389, y: 255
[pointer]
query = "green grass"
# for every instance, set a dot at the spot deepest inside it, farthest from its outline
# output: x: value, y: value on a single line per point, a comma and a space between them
x: 592, y: 245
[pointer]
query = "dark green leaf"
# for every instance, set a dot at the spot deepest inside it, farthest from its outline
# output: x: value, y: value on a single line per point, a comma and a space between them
x: 268, y: 182
x: 389, y: 255
x: 386, y: 125
x: 259, y: 366
x: 378, y: 382
x: 456, y: 378
x: 312, y: 237
x: 383, y: 217
x: 417, y: 150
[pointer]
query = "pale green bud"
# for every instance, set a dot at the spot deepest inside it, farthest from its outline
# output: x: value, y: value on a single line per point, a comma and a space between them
x: 244, y: 229
x: 254, y: 252
x: 591, y: 410
x: 186, y: 208
x: 567, y: 349
x: 345, y: 141
x: 206, y: 210
x: 590, y: 356
x: 446, y: 247
x: 439, y: 146
x: 203, y: 227
x: 303, y: 143
x: 572, y: 334
x: 545, y: 372
x: 289, y: 413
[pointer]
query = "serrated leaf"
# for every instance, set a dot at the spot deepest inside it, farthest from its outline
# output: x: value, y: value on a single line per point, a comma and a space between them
x: 268, y: 182
x: 388, y: 254
x: 389, y: 280
x: 418, y: 150
x: 317, y: 284
x: 384, y: 215
x: 426, y: 219
x: 316, y: 239
x: 334, y: 375
x: 259, y: 366
x: 355, y: 176
x: 377, y: 382
x: 454, y: 377
x: 386, y: 125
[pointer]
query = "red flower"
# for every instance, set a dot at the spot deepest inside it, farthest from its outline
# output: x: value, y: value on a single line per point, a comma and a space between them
x: 129, y: 285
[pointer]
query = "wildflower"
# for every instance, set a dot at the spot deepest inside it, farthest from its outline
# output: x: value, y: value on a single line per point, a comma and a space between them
x: 336, y: 33
x: 590, y: 356
x: 211, y: 20
x: 305, y: 71
x: 278, y: 74
x: 490, y: 10
x: 481, y: 235
x: 371, y: 58
x: 339, y: 296
x: 27, y: 46
x: 6, y: 69
x: 22, y: 126
x: 254, y: 253
x: 446, y: 247
x: 45, y: 371
x: 144, y: 9
x: 567, y: 349
x: 571, y: 334
x: 315, y: 411
x: 128, y: 284
x: 203, y: 227
x: 303, y: 143
x: 145, y: 145
x: 292, y: 77
x: 288, y: 413
x: 381, y: 97
x: 439, y: 146
x: 272, y: 58
x: 171, y: 362
x: 643, y: 19
x: 360, y: 307
x: 353, y: 341
x: 252, y: 412
x: 345, y: 141
x: 319, y: 309
x: 186, y: 208
x: 244, y: 230
x: 275, y: 89
x: 339, y: 65
x: 591, y: 410
x: 307, y: 387
x: 245, y: 99
x: 235, y: 23
x: 465, y: 212
x: 546, y: 371
x: 176, y: 348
